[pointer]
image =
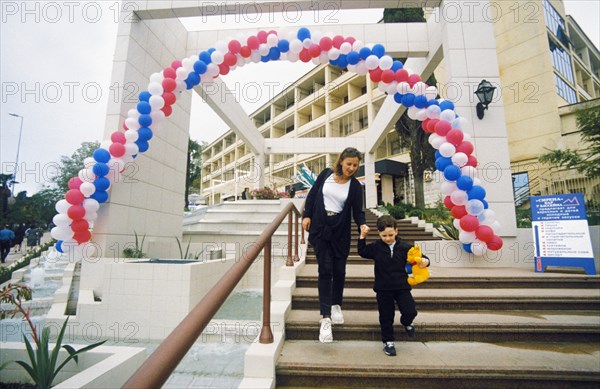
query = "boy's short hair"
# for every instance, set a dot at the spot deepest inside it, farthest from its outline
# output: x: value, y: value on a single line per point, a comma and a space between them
x: 386, y: 221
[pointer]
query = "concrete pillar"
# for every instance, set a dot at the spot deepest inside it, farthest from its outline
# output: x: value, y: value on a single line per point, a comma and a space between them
x: 370, y: 188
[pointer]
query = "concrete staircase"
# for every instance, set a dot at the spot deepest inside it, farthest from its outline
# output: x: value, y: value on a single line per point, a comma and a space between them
x: 476, y: 328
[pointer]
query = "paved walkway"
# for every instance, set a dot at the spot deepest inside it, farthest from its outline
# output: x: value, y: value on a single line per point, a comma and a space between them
x: 12, y: 257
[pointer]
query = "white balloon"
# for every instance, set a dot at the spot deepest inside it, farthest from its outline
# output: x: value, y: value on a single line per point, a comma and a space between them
x: 403, y: 88
x: 293, y: 57
x: 91, y: 205
x: 474, y: 207
x: 488, y: 217
x: 316, y: 61
x: 431, y: 92
x: 345, y: 48
x: 422, y: 114
x: 131, y: 149
x: 218, y: 57
x: 478, y: 248
x: 460, y: 159
x: 86, y: 175
x: 412, y: 112
x: 459, y: 197
x: 62, y: 206
x: 157, y: 117
x: 221, y: 47
x: 361, y: 68
x: 447, y: 149
x: 333, y: 54
x: 61, y: 232
x: 447, y: 115
x: 433, y: 112
x: 419, y: 88
x: 156, y: 89
x: 212, y: 69
x: 391, y: 88
x: 372, y: 62
x: 61, y: 219
x: 295, y: 46
x: 438, y: 141
x: 90, y: 216
x: 157, y: 77
x: 263, y: 49
x: 357, y: 45
x: 133, y: 113
x: 324, y: 58
x: 460, y: 123
x: 382, y: 86
x: 316, y: 36
x: 116, y: 165
x: 456, y: 224
x: 469, y: 171
x: 87, y: 188
x: 188, y: 65
x: 255, y: 56
x: 181, y: 85
x: 88, y: 162
x: 132, y: 124
x: 156, y: 102
x: 306, y: 43
x: 386, y: 62
x: 131, y: 135
x: 272, y: 40
x: 448, y: 187
x: 466, y: 237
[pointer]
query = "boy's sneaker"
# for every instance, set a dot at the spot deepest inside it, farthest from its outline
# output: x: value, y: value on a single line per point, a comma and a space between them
x: 410, y: 330
x: 325, y: 334
x: 389, y: 349
x: 336, y: 315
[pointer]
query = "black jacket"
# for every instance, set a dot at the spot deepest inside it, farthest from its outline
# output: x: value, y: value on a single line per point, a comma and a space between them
x: 390, y: 271
x: 337, y: 235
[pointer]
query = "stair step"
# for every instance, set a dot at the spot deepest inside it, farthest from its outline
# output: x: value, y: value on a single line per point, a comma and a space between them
x: 362, y: 364
x: 545, y: 326
x: 466, y: 299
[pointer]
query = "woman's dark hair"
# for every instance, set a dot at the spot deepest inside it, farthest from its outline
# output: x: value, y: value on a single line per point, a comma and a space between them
x: 349, y: 152
x: 386, y: 221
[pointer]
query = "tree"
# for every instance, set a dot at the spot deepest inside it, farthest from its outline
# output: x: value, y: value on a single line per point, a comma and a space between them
x: 70, y: 166
x: 193, y: 170
x: 5, y: 181
x: 412, y: 137
x: 587, y: 160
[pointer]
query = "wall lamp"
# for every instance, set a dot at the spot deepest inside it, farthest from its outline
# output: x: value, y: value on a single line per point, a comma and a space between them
x: 485, y: 94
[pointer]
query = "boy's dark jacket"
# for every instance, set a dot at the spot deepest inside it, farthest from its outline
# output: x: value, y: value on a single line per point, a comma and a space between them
x: 390, y: 272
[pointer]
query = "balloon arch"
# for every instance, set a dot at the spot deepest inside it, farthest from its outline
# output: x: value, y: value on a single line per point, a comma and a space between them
x: 463, y: 193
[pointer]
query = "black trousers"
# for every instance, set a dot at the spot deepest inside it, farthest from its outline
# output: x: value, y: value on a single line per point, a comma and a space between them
x: 386, y: 303
x: 5, y: 249
x: 332, y: 276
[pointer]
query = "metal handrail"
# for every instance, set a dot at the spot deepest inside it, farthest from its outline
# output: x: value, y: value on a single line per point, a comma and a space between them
x: 155, y: 371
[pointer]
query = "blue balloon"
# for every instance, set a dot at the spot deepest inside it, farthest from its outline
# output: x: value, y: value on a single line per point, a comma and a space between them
x: 465, y: 183
x: 144, y: 108
x: 437, y: 154
x: 303, y: 33
x: 398, y: 98
x: 100, y: 169
x: 364, y: 52
x: 420, y: 101
x: 58, y: 246
x: 433, y: 102
x: 467, y: 247
x: 210, y: 51
x: 101, y: 183
x: 397, y: 65
x: 342, y: 61
x: 274, y: 54
x: 264, y: 58
x: 205, y: 57
x: 442, y: 162
x: 353, y: 58
x: 446, y: 104
x: 193, y: 78
x: 142, y: 145
x: 101, y: 155
x: 283, y: 45
x: 333, y: 62
x: 144, y: 96
x: 476, y: 192
x: 100, y: 196
x: 378, y: 50
x: 200, y: 67
x: 145, y: 120
x: 188, y: 84
x: 408, y: 100
x: 485, y: 204
x: 144, y: 134
x: 452, y: 172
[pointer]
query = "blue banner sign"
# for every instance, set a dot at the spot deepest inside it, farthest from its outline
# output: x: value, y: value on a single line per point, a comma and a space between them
x: 561, y: 233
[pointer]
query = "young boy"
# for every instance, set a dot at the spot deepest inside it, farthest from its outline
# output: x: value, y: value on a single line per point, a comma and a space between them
x: 391, y: 279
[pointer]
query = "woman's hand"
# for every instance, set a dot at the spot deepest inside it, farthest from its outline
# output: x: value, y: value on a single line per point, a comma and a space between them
x: 306, y: 223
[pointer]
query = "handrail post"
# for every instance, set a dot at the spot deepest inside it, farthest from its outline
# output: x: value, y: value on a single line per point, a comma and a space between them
x: 302, y: 232
x: 290, y: 260
x: 296, y: 257
x: 266, y: 335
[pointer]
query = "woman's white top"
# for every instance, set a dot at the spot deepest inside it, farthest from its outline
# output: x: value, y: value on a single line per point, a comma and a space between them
x: 335, y: 195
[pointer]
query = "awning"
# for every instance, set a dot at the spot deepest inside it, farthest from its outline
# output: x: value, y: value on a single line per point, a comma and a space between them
x: 388, y: 167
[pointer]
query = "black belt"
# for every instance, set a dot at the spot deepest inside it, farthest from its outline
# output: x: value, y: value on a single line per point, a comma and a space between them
x: 331, y: 213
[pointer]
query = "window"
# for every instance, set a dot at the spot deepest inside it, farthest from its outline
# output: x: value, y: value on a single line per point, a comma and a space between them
x: 520, y: 187
x: 561, y: 60
x: 553, y: 19
x: 564, y: 90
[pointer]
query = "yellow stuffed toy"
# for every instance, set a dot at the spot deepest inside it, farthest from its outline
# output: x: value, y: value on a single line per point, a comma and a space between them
x: 419, y: 274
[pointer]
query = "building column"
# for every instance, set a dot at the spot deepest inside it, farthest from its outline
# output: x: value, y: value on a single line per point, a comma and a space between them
x: 370, y: 187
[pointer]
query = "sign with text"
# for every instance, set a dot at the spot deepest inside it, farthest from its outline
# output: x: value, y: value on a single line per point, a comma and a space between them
x: 560, y: 232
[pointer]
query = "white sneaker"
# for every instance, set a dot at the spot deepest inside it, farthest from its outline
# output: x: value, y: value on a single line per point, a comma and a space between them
x: 336, y: 315
x: 325, y: 334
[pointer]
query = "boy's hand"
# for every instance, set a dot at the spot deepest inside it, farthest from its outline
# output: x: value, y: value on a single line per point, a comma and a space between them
x: 424, y: 262
x: 364, y: 231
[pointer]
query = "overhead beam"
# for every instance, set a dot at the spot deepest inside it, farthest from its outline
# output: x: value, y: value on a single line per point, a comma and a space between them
x: 312, y: 145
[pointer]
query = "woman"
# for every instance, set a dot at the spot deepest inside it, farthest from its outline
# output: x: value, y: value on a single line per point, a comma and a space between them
x: 335, y: 195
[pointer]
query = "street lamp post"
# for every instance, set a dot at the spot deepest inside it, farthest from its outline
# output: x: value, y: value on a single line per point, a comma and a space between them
x: 18, y: 149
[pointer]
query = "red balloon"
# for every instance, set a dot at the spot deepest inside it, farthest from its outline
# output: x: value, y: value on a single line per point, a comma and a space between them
x: 169, y: 84
x: 442, y: 127
x: 465, y: 147
x: 167, y: 110
x: 402, y: 75
x: 326, y: 43
x: 413, y: 79
x: 375, y: 74
x: 388, y: 76
x: 484, y: 233
x: 253, y: 42
x: 351, y: 40
x: 223, y: 69
x: 230, y: 59
x: 431, y: 125
x: 245, y: 51
x: 495, y: 243
x: 314, y: 50
x: 82, y: 236
x: 169, y: 98
x: 117, y: 150
x: 176, y: 64
x: 272, y: 32
x: 74, y: 196
x: 337, y: 41
x: 118, y: 137
x: 458, y: 211
x: 80, y: 225
x: 424, y: 124
x: 234, y: 46
x: 74, y: 183
x: 262, y: 36
x: 169, y: 73
x: 472, y: 161
x: 76, y: 212
x: 448, y: 202
x: 455, y: 136
x: 304, y: 55
x: 469, y: 223
x: 125, y: 126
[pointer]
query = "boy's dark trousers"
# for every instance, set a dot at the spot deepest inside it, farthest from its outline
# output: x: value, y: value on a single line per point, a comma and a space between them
x: 386, y: 302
